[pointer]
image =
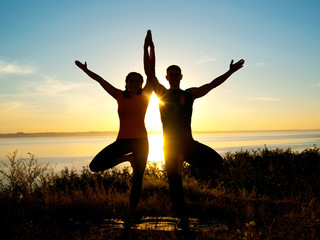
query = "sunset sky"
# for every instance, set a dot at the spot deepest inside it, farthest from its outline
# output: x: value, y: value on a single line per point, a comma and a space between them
x: 43, y: 91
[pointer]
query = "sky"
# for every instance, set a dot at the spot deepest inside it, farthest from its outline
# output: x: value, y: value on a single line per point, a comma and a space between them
x: 42, y: 90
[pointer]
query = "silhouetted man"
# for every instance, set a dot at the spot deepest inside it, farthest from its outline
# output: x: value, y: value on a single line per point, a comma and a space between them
x: 176, y: 112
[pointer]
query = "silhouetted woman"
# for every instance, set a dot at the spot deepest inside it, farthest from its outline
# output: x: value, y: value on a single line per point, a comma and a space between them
x: 132, y: 136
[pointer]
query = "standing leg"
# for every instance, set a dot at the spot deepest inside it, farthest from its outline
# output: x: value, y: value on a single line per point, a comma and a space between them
x: 140, y: 149
x: 173, y: 160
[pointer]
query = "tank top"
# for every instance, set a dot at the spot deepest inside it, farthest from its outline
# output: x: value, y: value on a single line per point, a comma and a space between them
x: 131, y: 112
x: 176, y: 113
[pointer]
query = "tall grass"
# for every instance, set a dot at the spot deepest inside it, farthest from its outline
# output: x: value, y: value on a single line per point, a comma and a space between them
x: 278, y: 173
x: 23, y: 176
x: 263, y: 194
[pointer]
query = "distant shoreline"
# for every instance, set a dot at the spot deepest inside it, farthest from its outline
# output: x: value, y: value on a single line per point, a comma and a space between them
x: 56, y: 134
x: 114, y: 133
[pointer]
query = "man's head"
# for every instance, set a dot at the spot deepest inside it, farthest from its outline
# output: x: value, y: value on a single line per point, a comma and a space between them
x: 174, y: 76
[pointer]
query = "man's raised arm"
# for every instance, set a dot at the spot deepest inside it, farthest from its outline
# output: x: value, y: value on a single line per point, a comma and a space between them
x: 198, y: 92
x: 149, y: 64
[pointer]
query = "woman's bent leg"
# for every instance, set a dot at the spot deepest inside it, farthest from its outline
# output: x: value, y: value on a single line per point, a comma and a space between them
x: 108, y: 157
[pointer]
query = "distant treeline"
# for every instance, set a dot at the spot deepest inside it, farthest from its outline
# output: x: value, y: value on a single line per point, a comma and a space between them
x: 56, y: 134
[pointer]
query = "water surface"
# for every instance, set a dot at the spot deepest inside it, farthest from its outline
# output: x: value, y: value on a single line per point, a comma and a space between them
x: 78, y: 151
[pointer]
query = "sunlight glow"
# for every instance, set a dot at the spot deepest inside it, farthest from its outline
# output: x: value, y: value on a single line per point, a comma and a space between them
x: 153, y: 123
x: 156, y: 149
x: 152, y: 119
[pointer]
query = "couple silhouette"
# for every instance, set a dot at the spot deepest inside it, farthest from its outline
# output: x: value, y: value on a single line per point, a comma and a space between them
x: 175, y: 111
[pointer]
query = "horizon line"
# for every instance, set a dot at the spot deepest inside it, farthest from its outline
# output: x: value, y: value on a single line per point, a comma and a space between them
x: 112, y: 133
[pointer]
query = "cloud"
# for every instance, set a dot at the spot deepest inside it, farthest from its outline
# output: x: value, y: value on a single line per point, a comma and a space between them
x: 235, y: 111
x: 13, y: 110
x: 317, y: 85
x: 11, y: 106
x: 205, y: 57
x: 205, y: 60
x: 259, y: 64
x: 15, y: 68
x: 50, y: 86
x: 264, y: 99
x: 312, y: 104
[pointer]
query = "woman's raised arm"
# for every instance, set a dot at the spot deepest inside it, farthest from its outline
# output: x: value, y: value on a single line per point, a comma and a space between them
x: 106, y: 85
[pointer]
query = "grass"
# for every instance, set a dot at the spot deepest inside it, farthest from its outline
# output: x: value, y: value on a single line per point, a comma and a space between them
x: 264, y: 194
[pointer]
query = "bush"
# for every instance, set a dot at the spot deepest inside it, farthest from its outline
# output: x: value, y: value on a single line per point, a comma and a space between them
x: 275, y: 173
x: 254, y: 193
x: 22, y: 176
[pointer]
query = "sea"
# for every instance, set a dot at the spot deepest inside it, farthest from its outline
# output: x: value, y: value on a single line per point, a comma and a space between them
x: 77, y: 152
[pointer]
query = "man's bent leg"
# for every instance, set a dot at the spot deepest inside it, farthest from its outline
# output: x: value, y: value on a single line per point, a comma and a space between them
x: 201, y: 156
